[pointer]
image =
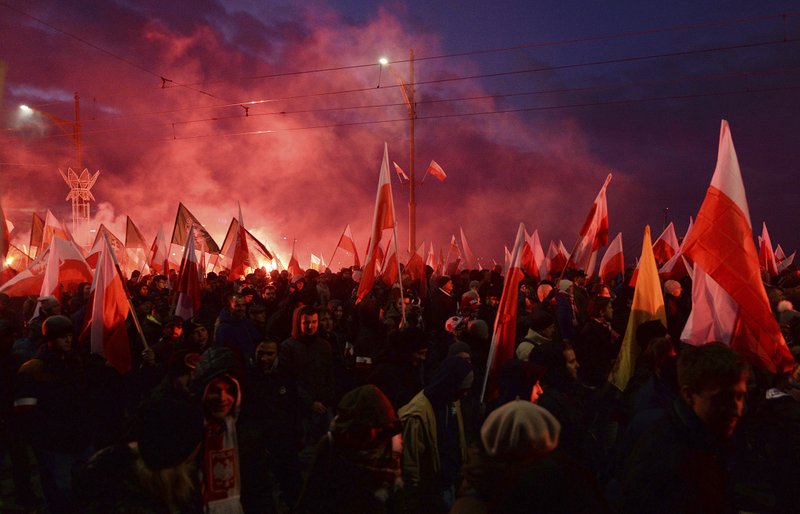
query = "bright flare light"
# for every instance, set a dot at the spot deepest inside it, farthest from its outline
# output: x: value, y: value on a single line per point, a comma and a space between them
x: 9, y: 261
x: 383, y: 61
x: 24, y: 108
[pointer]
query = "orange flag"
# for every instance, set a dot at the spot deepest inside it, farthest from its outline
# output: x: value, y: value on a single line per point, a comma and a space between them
x: 382, y: 219
x: 721, y: 244
x: 107, y: 311
x: 505, y: 325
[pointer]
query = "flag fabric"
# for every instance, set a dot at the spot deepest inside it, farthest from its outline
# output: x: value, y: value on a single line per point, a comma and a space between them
x: 785, y: 263
x: 382, y: 219
x: 16, y: 259
x: 507, y: 259
x: 53, y: 228
x: 158, y: 258
x: 391, y: 273
x: 678, y: 266
x: 5, y: 236
x: 415, y: 267
x: 648, y: 304
x: 133, y: 237
x: 400, y: 173
x: 431, y: 259
x: 453, y: 257
x: 713, y: 312
x: 240, y: 258
x: 65, y: 269
x: 556, y: 258
x: 780, y: 255
x: 505, y: 324
x: 469, y: 257
x: 766, y: 256
x: 721, y: 244
x: 613, y: 262
x: 437, y: 171
x: 294, y: 266
x: 185, y: 220
x: 99, y: 243
x: 315, y: 263
x: 533, y: 259
x: 107, y: 310
x: 666, y: 246
x: 188, y: 287
x: 347, y: 243
x: 37, y: 234
x: 594, y: 233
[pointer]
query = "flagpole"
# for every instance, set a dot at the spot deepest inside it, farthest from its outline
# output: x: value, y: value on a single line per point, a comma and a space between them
x: 128, y: 296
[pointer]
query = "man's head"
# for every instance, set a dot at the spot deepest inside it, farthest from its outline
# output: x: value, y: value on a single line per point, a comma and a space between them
x: 49, y: 306
x: 173, y: 330
x: 237, y: 305
x: 325, y: 319
x: 266, y: 354
x: 673, y: 288
x: 713, y: 382
x: 160, y: 282
x: 197, y: 333
x: 305, y: 323
x: 220, y: 397
x: 57, y: 332
x: 571, y: 363
x: 258, y: 313
x: 446, y: 284
x: 270, y: 293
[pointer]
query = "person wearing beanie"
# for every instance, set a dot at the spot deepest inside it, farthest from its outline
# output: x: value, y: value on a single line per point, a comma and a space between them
x: 517, y: 468
x: 357, y: 464
x: 434, y: 442
x: 677, y: 309
x: 47, y: 306
x: 60, y: 407
x: 542, y: 328
x: 152, y: 473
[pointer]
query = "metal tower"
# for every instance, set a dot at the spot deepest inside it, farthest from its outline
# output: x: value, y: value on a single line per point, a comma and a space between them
x: 80, y: 194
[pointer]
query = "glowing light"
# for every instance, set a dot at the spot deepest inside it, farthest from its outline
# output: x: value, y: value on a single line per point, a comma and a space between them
x: 24, y: 108
x: 9, y: 261
x: 383, y: 61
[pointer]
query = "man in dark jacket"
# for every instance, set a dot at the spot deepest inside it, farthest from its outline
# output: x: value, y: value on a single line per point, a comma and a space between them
x: 235, y: 330
x: 680, y: 465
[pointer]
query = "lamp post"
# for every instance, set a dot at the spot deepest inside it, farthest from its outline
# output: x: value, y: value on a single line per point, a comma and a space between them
x: 68, y: 127
x: 407, y: 90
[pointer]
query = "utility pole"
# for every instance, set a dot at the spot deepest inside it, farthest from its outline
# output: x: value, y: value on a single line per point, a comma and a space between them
x: 412, y: 201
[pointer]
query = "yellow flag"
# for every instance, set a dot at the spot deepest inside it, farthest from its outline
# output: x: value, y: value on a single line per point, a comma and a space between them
x: 648, y: 304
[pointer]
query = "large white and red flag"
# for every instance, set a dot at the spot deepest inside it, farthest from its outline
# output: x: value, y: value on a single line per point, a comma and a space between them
x: 666, y: 246
x: 390, y: 273
x: 116, y: 245
x: 158, y: 257
x: 133, y: 236
x: 382, y: 219
x: 594, y: 232
x: 505, y: 324
x: 453, y: 257
x: 613, y: 262
x: 53, y: 228
x: 240, y: 258
x: 713, y: 311
x: 721, y: 244
x: 435, y: 170
x: 469, y: 257
x: 188, y: 288
x: 183, y: 221
x: 107, y: 310
x: 533, y: 259
x: 556, y: 257
x: 65, y: 269
x: 293, y: 267
x: 347, y: 243
x: 766, y: 256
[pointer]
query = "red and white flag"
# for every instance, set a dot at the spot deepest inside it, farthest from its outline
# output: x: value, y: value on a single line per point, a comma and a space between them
x: 533, y: 259
x: 293, y: 267
x: 431, y: 259
x: 469, y: 257
x: 721, y: 245
x: 53, y: 228
x: 347, y: 243
x: 678, y: 266
x: 613, y: 263
x: 766, y: 257
x: 785, y: 263
x: 99, y: 243
x: 391, y: 273
x: 133, y: 236
x: 107, y: 311
x: 437, y: 171
x: 65, y: 269
x: 505, y: 324
x: 400, y: 173
x: 780, y: 255
x: 240, y: 259
x: 666, y: 246
x: 556, y: 258
x: 158, y: 258
x: 188, y: 287
x: 382, y: 219
x: 713, y: 313
x: 453, y: 258
x: 594, y: 233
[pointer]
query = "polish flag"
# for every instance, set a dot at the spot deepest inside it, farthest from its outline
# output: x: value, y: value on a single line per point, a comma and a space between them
x: 713, y: 312
x: 556, y: 258
x: 529, y: 263
x: 347, y: 243
x: 648, y: 305
x: 721, y: 244
x: 437, y: 171
x: 188, y: 287
x: 382, y: 219
x: 613, y: 262
x: 431, y: 259
x: 293, y: 267
x: 469, y: 257
x: 594, y: 233
x: 766, y: 257
x: 133, y: 236
x: 240, y: 259
x: 678, y: 265
x: 53, y: 228
x: 158, y: 258
x: 505, y: 325
x: 65, y: 268
x: 391, y: 272
x: 99, y: 243
x: 666, y: 246
x: 780, y: 255
x: 106, y: 312
x: 415, y: 267
x: 453, y: 258
x: 538, y: 254
x: 785, y: 263
x: 400, y: 173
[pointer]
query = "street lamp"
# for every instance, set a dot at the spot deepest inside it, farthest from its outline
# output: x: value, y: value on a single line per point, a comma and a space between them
x: 407, y: 90
x: 69, y: 127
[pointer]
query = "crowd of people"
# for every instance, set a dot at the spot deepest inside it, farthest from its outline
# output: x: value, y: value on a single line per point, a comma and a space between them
x: 284, y: 394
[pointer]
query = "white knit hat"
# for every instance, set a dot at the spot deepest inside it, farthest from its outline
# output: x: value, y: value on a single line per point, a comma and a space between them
x: 520, y: 429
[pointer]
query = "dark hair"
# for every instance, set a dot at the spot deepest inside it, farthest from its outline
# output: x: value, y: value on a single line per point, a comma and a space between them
x: 597, y: 306
x: 700, y: 367
x: 305, y: 310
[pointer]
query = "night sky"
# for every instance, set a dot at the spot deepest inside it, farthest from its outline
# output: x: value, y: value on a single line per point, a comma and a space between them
x: 526, y: 105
